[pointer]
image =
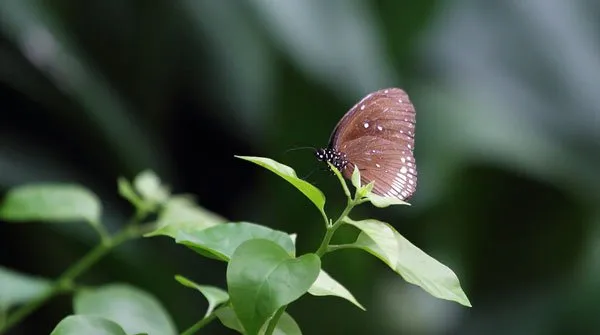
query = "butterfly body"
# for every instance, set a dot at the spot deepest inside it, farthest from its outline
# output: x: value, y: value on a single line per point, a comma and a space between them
x: 377, y: 135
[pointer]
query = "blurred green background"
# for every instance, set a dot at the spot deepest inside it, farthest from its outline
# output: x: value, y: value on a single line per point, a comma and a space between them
x: 508, y: 144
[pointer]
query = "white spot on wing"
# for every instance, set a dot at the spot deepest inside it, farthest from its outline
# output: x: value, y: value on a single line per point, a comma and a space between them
x: 366, y: 124
x: 403, y: 170
x: 362, y: 107
x: 380, y: 128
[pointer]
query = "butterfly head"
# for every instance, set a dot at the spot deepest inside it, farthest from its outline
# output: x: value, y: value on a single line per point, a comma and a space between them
x: 336, y: 158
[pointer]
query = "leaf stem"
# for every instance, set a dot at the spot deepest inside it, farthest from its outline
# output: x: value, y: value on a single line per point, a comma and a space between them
x: 275, y: 320
x: 200, y: 324
x: 339, y: 176
x: 65, y: 281
x: 335, y: 247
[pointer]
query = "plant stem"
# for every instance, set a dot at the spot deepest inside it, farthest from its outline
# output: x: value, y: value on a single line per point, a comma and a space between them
x: 275, y: 320
x: 65, y: 281
x: 200, y: 324
x: 331, y: 230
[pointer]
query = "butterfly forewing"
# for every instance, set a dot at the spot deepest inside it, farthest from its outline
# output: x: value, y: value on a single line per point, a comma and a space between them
x: 377, y: 135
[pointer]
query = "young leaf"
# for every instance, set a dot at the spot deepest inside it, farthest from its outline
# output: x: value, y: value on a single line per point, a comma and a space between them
x: 356, y: 177
x: 262, y: 277
x: 382, y: 202
x: 17, y: 288
x: 222, y: 240
x: 311, y: 192
x: 127, y: 192
x: 417, y: 267
x: 382, y: 234
x: 325, y: 285
x: 181, y: 214
x: 214, y: 295
x: 135, y: 310
x: 148, y: 185
x: 49, y: 202
x: 87, y: 324
x: 286, y: 325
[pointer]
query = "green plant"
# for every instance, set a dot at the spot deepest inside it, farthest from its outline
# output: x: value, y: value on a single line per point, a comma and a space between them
x: 264, y: 274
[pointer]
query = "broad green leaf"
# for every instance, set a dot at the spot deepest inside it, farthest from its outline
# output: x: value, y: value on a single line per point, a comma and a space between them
x: 311, y: 192
x: 17, y: 288
x: 416, y: 267
x: 135, y: 310
x: 214, y: 295
x: 149, y: 186
x: 382, y: 234
x: 49, y: 202
x: 382, y: 202
x: 87, y: 324
x: 325, y: 285
x: 221, y: 241
x: 286, y: 325
x: 181, y: 214
x: 262, y: 277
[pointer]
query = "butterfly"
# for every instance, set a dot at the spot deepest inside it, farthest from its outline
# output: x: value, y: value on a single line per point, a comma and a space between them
x: 378, y: 136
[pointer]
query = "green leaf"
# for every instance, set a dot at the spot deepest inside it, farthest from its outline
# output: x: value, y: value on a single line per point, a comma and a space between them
x: 416, y: 267
x: 149, y: 186
x: 311, y: 192
x: 49, y: 202
x: 382, y: 234
x: 214, y: 295
x: 221, y: 241
x: 286, y: 325
x: 87, y: 324
x: 17, y: 288
x: 181, y: 214
x: 382, y: 202
x: 325, y: 285
x: 135, y: 310
x: 228, y: 318
x: 262, y: 277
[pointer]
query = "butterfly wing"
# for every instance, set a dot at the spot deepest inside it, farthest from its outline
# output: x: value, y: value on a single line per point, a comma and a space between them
x: 377, y: 135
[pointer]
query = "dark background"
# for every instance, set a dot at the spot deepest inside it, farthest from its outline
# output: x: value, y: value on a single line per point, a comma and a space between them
x: 508, y: 139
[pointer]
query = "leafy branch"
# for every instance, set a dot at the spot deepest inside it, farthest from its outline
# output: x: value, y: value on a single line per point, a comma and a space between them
x: 264, y: 273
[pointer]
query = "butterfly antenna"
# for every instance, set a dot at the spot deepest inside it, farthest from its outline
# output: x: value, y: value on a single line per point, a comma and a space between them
x: 309, y: 174
x: 300, y: 148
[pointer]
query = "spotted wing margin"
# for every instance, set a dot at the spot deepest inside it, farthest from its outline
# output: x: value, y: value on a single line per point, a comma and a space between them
x: 391, y: 103
x: 391, y: 167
